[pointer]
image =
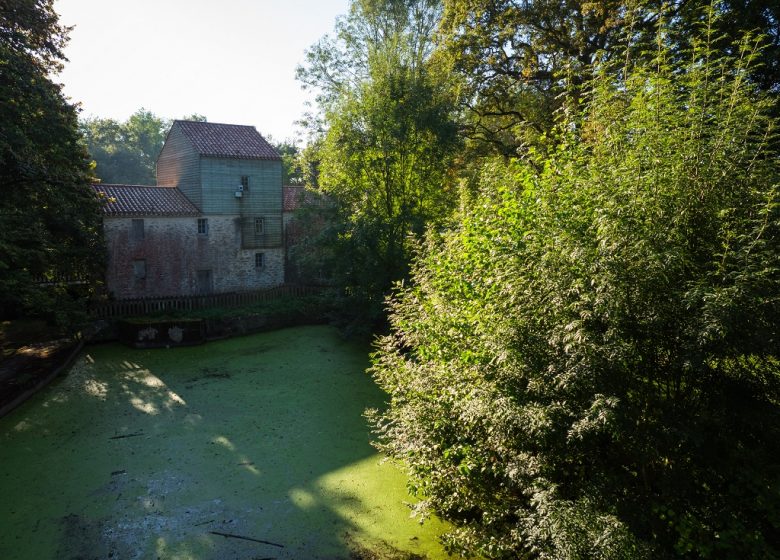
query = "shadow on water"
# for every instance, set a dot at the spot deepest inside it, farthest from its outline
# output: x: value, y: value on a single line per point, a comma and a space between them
x: 249, y: 448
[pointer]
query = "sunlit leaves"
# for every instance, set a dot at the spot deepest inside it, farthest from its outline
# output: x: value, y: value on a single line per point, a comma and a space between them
x: 388, y: 141
x: 586, y: 367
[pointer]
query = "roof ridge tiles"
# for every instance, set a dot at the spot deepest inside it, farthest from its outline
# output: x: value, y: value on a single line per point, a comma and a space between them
x: 227, y: 140
x: 98, y: 185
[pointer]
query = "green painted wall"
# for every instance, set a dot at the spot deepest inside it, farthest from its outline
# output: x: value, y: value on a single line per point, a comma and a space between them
x: 179, y: 166
x: 220, y: 178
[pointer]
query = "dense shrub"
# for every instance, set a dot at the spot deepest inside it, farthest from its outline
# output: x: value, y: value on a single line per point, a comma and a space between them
x: 587, y: 367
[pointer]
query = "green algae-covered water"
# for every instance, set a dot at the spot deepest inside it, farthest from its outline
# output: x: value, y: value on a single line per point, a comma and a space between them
x: 246, y: 448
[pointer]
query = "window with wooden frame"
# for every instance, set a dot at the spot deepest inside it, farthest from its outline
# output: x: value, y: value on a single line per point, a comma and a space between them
x: 259, y: 260
x: 203, y: 226
x: 259, y: 226
x: 245, y: 182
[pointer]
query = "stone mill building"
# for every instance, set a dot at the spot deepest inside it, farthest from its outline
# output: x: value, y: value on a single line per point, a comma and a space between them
x: 212, y: 224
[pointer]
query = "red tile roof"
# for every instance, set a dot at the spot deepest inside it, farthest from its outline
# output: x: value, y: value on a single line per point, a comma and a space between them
x: 141, y: 200
x: 227, y: 140
x: 295, y: 196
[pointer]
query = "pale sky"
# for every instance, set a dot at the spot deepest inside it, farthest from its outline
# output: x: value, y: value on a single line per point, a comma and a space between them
x: 231, y: 60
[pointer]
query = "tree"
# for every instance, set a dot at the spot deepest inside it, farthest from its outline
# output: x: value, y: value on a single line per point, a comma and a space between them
x: 734, y: 18
x: 517, y: 58
x: 521, y: 61
x: 126, y: 152
x: 292, y: 172
x: 49, y: 215
x: 116, y: 161
x: 383, y: 158
x: 341, y: 63
x: 588, y: 366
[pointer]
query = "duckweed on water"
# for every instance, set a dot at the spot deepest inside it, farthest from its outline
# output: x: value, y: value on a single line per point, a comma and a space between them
x: 252, y: 447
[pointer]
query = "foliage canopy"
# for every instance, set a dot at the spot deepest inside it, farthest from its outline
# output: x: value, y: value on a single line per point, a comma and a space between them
x: 49, y: 215
x: 520, y: 61
x: 587, y: 366
x: 390, y: 137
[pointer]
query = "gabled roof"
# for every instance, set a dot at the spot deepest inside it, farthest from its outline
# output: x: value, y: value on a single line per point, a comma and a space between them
x: 296, y: 196
x: 292, y: 197
x: 142, y: 200
x: 227, y: 140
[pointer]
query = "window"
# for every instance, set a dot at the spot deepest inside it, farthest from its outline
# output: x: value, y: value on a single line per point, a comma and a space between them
x: 139, y: 269
x: 259, y: 226
x: 259, y: 260
x: 203, y: 226
x: 205, y: 282
x: 245, y: 182
x: 137, y: 230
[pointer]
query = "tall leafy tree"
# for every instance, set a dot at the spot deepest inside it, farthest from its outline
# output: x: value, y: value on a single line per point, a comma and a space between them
x: 292, y: 170
x: 516, y: 59
x: 389, y: 136
x: 49, y: 216
x: 588, y: 366
x: 736, y: 17
x: 521, y: 61
x: 342, y: 61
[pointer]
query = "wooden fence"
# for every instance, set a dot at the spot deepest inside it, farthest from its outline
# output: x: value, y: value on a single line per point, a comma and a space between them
x: 133, y: 307
x: 70, y: 280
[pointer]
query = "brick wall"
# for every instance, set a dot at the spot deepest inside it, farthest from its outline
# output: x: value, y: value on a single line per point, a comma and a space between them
x: 173, y: 258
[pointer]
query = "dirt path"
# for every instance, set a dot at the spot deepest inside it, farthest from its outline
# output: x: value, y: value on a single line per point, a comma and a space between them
x: 247, y: 448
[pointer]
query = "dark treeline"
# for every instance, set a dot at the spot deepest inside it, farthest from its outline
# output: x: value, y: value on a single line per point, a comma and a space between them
x: 573, y: 208
x: 49, y: 220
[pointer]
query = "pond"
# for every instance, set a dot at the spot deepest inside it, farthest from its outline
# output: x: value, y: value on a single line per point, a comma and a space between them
x: 247, y: 448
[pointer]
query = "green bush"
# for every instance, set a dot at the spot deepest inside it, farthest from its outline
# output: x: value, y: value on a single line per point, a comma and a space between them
x: 587, y: 367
